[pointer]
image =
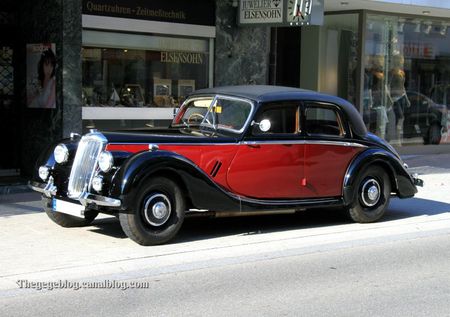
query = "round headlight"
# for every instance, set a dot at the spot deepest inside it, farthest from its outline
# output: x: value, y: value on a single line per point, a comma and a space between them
x: 61, y: 153
x: 44, y: 171
x: 105, y: 161
x: 97, y: 183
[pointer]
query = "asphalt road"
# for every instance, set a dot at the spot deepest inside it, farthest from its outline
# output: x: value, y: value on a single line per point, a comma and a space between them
x: 315, y: 263
x: 402, y: 278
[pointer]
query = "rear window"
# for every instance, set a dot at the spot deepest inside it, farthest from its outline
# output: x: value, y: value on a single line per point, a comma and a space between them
x: 323, y: 121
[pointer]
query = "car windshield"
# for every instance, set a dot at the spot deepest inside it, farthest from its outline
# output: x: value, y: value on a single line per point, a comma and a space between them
x: 222, y: 113
x: 228, y: 114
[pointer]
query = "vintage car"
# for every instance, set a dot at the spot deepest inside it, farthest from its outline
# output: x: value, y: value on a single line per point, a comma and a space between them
x: 237, y: 150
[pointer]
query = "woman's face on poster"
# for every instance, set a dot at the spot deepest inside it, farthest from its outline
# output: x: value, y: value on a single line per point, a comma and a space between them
x: 48, y: 69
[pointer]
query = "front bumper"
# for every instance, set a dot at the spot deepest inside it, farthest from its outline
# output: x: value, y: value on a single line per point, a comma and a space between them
x: 50, y: 190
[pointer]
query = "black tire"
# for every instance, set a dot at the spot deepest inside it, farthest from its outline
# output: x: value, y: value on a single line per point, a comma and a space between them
x: 157, y: 215
x: 434, y: 134
x: 367, y: 205
x: 68, y: 221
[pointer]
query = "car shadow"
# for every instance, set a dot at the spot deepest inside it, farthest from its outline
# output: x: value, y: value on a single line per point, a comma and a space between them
x: 199, y: 228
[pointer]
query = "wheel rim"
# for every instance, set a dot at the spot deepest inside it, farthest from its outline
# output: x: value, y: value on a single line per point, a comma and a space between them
x: 157, y: 209
x: 370, y: 192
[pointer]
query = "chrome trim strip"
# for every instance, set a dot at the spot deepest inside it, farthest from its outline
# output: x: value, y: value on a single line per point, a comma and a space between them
x: 305, y: 142
x: 174, y: 143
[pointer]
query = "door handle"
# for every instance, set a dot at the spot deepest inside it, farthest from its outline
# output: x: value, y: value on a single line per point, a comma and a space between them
x: 252, y: 145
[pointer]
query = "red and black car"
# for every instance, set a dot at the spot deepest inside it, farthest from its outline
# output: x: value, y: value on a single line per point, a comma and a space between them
x: 229, y: 150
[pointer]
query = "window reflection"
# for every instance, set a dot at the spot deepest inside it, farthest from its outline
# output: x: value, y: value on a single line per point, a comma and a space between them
x: 114, y: 77
x: 406, y: 79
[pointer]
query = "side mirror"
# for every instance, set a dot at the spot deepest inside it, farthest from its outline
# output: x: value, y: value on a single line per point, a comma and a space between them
x: 264, y: 125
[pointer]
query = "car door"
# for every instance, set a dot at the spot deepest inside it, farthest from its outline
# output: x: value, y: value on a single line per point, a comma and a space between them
x: 328, y: 150
x: 269, y: 165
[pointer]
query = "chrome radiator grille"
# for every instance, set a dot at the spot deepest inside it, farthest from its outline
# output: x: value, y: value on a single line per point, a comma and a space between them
x: 85, y: 163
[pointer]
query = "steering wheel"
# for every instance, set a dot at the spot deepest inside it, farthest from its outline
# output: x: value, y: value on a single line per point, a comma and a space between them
x: 194, y: 115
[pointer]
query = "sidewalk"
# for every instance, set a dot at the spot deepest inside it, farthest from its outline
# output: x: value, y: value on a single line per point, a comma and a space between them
x: 34, y: 248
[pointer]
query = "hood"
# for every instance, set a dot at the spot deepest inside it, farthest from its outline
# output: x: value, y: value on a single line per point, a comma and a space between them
x: 168, y: 135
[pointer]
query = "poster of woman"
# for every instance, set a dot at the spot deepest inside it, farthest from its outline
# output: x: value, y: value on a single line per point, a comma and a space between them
x: 41, y: 67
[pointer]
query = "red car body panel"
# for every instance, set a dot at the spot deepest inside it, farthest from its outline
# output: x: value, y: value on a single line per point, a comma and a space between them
x: 213, y: 159
x: 267, y: 171
x: 325, y: 168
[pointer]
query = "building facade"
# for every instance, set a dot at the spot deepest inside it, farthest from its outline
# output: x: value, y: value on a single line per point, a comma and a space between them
x: 129, y: 64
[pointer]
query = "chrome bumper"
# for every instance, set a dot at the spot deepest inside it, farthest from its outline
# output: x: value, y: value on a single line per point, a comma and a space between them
x: 50, y: 190
x: 416, y: 180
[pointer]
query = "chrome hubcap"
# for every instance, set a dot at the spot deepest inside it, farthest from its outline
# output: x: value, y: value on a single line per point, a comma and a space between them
x: 157, y: 209
x: 370, y: 192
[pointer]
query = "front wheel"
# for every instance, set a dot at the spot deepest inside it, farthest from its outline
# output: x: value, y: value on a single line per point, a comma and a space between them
x: 157, y: 215
x: 372, y: 196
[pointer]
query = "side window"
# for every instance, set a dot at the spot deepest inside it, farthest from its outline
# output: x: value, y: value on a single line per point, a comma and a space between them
x: 323, y: 121
x: 283, y: 119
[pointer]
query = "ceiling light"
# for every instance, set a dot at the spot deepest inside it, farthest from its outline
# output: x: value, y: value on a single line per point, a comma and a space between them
x: 427, y: 28
x: 417, y: 28
x: 401, y: 24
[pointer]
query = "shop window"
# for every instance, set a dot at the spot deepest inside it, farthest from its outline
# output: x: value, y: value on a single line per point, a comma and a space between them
x: 406, y: 79
x: 161, y: 72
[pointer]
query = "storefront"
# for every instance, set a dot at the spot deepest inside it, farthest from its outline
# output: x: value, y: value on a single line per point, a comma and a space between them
x: 141, y: 59
x: 395, y: 68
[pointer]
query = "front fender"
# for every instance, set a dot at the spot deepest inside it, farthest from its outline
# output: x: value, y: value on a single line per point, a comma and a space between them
x: 401, y: 180
x: 202, y: 191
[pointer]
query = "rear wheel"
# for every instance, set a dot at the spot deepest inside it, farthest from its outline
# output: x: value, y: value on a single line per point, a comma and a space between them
x: 65, y: 220
x: 158, y: 213
x: 372, y: 196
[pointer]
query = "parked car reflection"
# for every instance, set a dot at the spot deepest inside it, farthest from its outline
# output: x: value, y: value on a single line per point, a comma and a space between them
x: 424, y: 118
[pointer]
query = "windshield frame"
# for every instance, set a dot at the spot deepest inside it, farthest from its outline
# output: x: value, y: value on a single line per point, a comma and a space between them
x: 204, y: 125
x: 215, y: 127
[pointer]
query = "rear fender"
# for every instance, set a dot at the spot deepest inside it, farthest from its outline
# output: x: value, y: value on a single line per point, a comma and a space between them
x: 401, y: 181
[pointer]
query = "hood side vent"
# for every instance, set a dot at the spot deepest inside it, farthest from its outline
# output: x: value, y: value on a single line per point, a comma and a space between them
x: 216, y: 168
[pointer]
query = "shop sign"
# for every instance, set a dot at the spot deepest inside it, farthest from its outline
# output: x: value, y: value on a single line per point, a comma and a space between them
x: 280, y: 12
x: 181, y: 57
x: 260, y: 11
x: 419, y: 50
x: 200, y: 12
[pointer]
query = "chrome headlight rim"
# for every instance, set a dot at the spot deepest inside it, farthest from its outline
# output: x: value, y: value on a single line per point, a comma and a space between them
x: 61, y: 153
x: 105, y: 161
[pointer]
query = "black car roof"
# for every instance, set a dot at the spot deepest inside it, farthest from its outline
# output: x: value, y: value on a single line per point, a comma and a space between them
x: 264, y: 93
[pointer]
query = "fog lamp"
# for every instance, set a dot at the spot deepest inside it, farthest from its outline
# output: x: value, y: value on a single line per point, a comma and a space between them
x: 61, y: 153
x: 44, y: 171
x: 97, y: 183
x: 105, y: 161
